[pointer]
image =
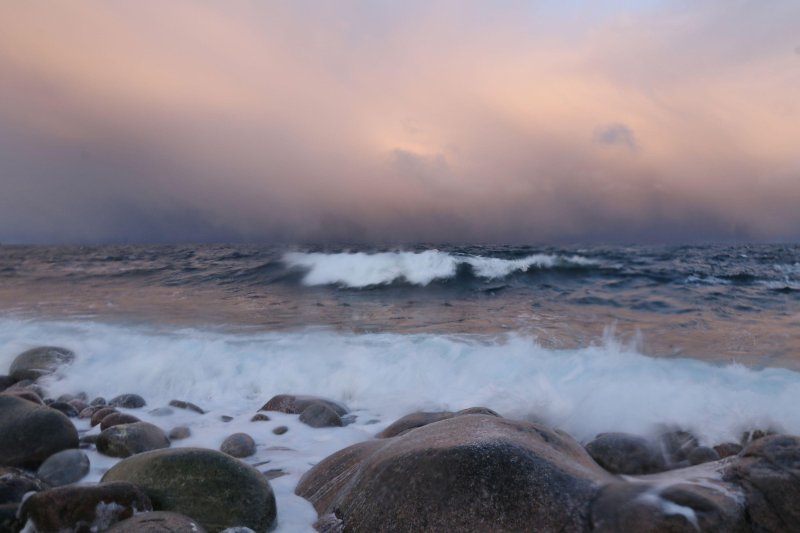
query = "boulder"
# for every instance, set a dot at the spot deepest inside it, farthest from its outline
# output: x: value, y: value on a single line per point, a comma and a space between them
x: 100, y: 414
x: 667, y: 506
x: 768, y: 470
x: 295, y: 404
x: 422, y: 418
x: 84, y: 507
x: 98, y: 402
x: 15, y: 483
x: 180, y: 432
x: 27, y: 395
x: 6, y: 382
x: 65, y: 408
x: 319, y: 415
x: 213, y: 488
x: 260, y: 417
x: 30, y: 433
x: 129, y: 439
x: 239, y: 445
x: 64, y: 467
x: 157, y: 522
x: 702, y: 454
x: 116, y: 419
x: 280, y: 430
x: 677, y: 445
x: 127, y: 401
x: 467, y: 473
x: 180, y: 404
x: 727, y: 449
x: 38, y: 362
x: 622, y: 453
x: 9, y: 521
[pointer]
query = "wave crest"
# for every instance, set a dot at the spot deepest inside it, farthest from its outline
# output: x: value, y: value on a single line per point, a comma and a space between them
x: 359, y: 269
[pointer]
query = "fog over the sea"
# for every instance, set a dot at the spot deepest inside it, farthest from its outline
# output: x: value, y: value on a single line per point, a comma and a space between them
x: 399, y: 121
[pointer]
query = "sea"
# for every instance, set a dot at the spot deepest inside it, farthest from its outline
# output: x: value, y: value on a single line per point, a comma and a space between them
x: 587, y: 339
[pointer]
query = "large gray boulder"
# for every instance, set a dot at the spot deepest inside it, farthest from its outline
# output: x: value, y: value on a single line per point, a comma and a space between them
x: 30, y: 433
x: 211, y: 487
x: 467, y: 473
x: 64, y: 467
x: 38, y: 362
x: 129, y: 439
x: 769, y: 472
x: 84, y: 507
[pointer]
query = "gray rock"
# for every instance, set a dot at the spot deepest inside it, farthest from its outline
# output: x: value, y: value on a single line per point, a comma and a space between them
x: 30, y: 433
x: 64, y: 467
x: 213, y: 488
x: 158, y: 522
x: 180, y: 404
x: 702, y: 454
x: 129, y: 439
x: 239, y: 445
x: 117, y: 419
x: 6, y: 382
x: 84, y: 507
x: 260, y: 417
x: 15, y: 483
x: 128, y: 401
x: 65, y: 408
x: 179, y: 433
x: 320, y: 416
x: 9, y: 520
x: 280, y: 430
x: 768, y: 469
x: 38, y: 362
x: 622, y: 453
x: 677, y: 445
x: 422, y: 418
x: 295, y: 404
x: 99, y: 402
x: 467, y: 473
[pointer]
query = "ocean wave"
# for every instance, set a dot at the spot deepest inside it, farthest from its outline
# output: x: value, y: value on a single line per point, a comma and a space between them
x: 359, y: 269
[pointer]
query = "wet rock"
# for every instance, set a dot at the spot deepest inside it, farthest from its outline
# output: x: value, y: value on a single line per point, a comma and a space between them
x: 180, y: 404
x: 8, y: 517
x: 768, y: 469
x: 727, y: 449
x: 320, y: 416
x: 100, y: 414
x: 181, y: 480
x: 226, y: 418
x: 15, y: 483
x: 422, y: 418
x: 26, y: 395
x: 64, y: 467
x: 78, y: 404
x: 677, y: 445
x: 127, y: 401
x: 239, y: 445
x: 280, y: 430
x: 39, y: 362
x: 88, y: 441
x: 702, y: 454
x: 467, y: 473
x: 295, y: 404
x: 6, y: 382
x: 179, y: 433
x: 329, y: 523
x: 623, y: 453
x: 99, y: 402
x: 274, y: 473
x: 643, y: 507
x: 116, y: 419
x: 158, y: 522
x: 129, y: 439
x: 31, y: 433
x: 88, y: 412
x: 260, y: 417
x: 65, y: 408
x: 84, y: 508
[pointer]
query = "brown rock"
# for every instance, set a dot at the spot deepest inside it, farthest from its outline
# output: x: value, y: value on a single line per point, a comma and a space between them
x: 115, y: 419
x: 295, y: 404
x: 31, y: 433
x: 129, y: 439
x: 100, y: 414
x: 158, y: 522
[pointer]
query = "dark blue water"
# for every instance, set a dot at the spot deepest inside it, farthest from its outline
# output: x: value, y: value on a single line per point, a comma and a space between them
x: 740, y: 302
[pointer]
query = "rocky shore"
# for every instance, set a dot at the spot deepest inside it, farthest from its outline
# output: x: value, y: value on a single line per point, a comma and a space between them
x: 471, y: 470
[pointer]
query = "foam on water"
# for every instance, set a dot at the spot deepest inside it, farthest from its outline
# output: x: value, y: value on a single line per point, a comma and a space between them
x: 381, y: 377
x: 358, y: 269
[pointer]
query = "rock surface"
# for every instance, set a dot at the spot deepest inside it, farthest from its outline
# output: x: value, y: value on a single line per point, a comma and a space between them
x: 158, y: 522
x: 468, y: 473
x: 239, y: 445
x: 117, y: 419
x: 129, y: 439
x: 422, y: 418
x: 623, y: 453
x: 84, y: 507
x: 213, y: 488
x: 15, y: 483
x: 295, y: 404
x: 319, y: 415
x: 64, y: 467
x: 30, y: 433
x: 38, y: 362
x: 128, y: 401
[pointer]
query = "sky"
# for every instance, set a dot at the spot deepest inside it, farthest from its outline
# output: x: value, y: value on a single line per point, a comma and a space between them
x: 395, y: 121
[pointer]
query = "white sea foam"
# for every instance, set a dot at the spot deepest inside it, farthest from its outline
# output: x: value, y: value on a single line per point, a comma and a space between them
x: 360, y: 269
x: 384, y: 376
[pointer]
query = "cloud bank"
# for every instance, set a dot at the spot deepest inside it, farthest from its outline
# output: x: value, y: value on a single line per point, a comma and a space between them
x: 399, y: 121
